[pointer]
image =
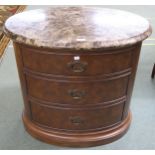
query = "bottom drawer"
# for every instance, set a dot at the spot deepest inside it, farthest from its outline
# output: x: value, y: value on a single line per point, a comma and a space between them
x: 76, y: 118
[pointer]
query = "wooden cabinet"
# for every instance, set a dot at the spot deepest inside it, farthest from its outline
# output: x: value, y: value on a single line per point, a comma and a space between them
x: 77, y: 67
x: 93, y: 101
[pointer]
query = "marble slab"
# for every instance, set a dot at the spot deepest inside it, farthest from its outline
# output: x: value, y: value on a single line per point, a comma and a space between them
x: 77, y: 27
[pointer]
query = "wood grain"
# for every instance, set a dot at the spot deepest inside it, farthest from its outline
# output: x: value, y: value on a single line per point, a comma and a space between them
x: 75, y: 106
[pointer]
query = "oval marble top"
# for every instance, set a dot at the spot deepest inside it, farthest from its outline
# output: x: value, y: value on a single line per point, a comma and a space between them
x: 77, y: 27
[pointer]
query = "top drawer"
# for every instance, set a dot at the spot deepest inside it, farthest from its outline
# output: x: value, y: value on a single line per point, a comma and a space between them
x: 76, y: 63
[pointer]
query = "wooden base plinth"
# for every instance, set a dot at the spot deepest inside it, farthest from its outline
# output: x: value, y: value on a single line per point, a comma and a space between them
x: 77, y: 139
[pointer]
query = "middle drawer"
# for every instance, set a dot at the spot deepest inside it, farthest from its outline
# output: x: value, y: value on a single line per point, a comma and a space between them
x: 76, y: 92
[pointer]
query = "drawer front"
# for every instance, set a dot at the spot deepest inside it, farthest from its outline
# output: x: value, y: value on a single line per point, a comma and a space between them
x: 73, y: 92
x: 76, y: 64
x: 76, y: 119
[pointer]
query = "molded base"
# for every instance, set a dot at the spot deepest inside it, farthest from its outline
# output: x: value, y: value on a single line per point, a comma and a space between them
x: 77, y: 139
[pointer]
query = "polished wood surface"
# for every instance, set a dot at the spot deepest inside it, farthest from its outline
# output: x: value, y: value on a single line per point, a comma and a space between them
x: 74, y: 97
x: 56, y: 62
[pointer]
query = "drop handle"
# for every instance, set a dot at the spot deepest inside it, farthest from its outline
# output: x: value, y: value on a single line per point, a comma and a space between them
x: 77, y: 66
x: 76, y: 94
x: 76, y: 120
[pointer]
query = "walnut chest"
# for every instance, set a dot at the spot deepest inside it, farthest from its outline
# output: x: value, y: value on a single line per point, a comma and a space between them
x: 77, y: 67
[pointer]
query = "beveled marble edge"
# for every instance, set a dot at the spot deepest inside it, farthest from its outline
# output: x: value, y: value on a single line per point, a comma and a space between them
x: 79, y: 45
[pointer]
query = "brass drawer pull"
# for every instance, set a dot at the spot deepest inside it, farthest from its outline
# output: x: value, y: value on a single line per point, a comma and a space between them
x: 77, y: 66
x: 76, y: 120
x: 76, y: 94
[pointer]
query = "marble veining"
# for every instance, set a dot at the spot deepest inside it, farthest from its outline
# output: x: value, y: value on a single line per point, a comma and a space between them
x: 77, y: 27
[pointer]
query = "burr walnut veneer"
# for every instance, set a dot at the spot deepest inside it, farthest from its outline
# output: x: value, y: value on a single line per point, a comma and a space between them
x: 77, y: 68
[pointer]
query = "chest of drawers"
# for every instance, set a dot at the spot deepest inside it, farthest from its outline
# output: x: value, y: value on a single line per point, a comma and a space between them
x: 75, y: 94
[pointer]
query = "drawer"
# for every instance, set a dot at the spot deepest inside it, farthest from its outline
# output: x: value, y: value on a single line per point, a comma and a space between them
x: 76, y: 64
x: 76, y: 92
x: 76, y: 119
